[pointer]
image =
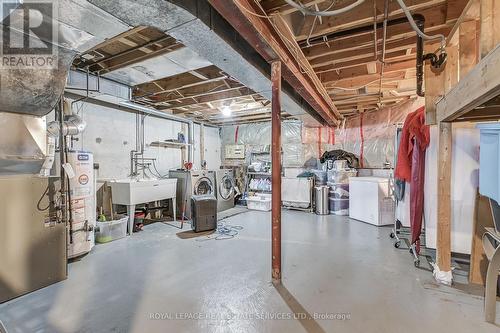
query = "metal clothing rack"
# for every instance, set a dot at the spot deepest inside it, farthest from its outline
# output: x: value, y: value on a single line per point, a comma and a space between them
x: 399, y: 232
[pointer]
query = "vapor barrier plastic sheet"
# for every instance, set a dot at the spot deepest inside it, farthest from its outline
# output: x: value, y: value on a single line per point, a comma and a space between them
x: 377, y: 134
x: 299, y: 143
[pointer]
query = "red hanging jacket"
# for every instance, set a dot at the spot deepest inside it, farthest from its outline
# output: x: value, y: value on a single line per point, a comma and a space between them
x: 413, y: 128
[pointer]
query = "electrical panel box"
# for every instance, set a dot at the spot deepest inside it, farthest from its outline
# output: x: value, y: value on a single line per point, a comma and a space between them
x: 235, y: 151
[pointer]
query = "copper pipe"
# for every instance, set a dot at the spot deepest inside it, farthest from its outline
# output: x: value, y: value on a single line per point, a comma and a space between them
x: 276, y: 171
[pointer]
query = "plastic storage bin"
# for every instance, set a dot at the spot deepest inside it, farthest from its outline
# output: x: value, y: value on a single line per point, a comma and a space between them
x: 339, y: 206
x: 259, y: 202
x: 339, y: 191
x: 111, y: 230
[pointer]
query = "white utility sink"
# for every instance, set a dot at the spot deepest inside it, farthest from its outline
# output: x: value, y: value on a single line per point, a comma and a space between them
x: 131, y: 192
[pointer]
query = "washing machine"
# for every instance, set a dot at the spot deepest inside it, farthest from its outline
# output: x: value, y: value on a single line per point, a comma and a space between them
x: 225, y: 189
x: 189, y: 183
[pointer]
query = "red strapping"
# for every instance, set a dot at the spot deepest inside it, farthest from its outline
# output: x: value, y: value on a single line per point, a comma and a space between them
x: 362, y: 149
x: 319, y: 141
x: 236, y: 134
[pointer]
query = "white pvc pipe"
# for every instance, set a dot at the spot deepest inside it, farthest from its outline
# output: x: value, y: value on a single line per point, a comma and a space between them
x: 307, y: 11
x: 415, y: 27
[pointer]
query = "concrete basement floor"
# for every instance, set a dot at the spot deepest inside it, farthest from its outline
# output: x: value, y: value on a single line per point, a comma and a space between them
x: 332, y: 265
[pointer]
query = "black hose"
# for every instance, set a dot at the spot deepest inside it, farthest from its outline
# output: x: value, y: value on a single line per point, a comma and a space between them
x: 40, y: 201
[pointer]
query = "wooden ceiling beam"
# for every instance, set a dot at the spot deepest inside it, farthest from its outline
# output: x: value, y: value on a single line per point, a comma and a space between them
x: 180, y: 81
x: 331, y: 59
x: 363, y: 15
x: 362, y: 80
x: 246, y: 17
x: 281, y: 7
x: 217, y: 96
x: 353, y: 72
x: 364, y: 40
x: 391, y: 57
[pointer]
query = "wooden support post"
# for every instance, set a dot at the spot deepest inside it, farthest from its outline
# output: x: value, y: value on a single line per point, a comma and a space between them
x: 276, y: 171
x: 202, y: 145
x: 443, y: 245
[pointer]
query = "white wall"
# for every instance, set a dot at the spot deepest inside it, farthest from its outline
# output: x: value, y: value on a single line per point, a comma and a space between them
x: 213, y: 147
x: 110, y: 136
x: 464, y: 184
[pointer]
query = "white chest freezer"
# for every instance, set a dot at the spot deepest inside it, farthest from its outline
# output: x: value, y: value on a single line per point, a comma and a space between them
x: 370, y: 200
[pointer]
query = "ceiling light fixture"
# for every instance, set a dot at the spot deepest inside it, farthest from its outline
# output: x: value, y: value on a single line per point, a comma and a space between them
x: 226, y: 111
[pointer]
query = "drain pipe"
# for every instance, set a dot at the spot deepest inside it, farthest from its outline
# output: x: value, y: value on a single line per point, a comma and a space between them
x: 159, y: 114
x: 420, y: 21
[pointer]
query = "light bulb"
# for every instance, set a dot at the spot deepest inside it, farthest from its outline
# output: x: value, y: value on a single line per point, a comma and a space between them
x: 226, y: 111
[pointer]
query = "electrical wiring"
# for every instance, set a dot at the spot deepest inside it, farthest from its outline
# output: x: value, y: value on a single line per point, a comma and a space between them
x: 224, y: 231
x: 313, y: 25
x: 249, y: 11
x: 339, y: 11
x: 414, y: 26
x: 354, y: 88
x: 156, y: 169
x: 291, y: 45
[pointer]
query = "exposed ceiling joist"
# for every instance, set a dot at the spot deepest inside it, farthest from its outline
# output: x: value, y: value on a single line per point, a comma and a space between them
x: 245, y: 16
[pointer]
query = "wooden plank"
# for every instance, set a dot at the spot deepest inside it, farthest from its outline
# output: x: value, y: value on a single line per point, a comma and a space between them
x: 363, y: 80
x: 482, y: 113
x: 471, y: 12
x: 287, y: 35
x: 363, y: 15
x: 365, y: 39
x: 451, y: 71
x: 443, y: 243
x: 468, y: 45
x: 283, y: 8
x: 180, y: 81
x: 362, y: 70
x: 478, y: 260
x: 368, y: 61
x: 359, y: 53
x: 479, y: 86
x: 487, y: 42
x: 213, y: 97
x: 271, y: 45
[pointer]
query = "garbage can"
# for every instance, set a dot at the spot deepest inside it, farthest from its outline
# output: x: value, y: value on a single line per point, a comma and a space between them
x: 321, y: 200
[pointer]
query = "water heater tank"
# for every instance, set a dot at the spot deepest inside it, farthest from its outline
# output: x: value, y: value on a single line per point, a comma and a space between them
x: 82, y: 191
